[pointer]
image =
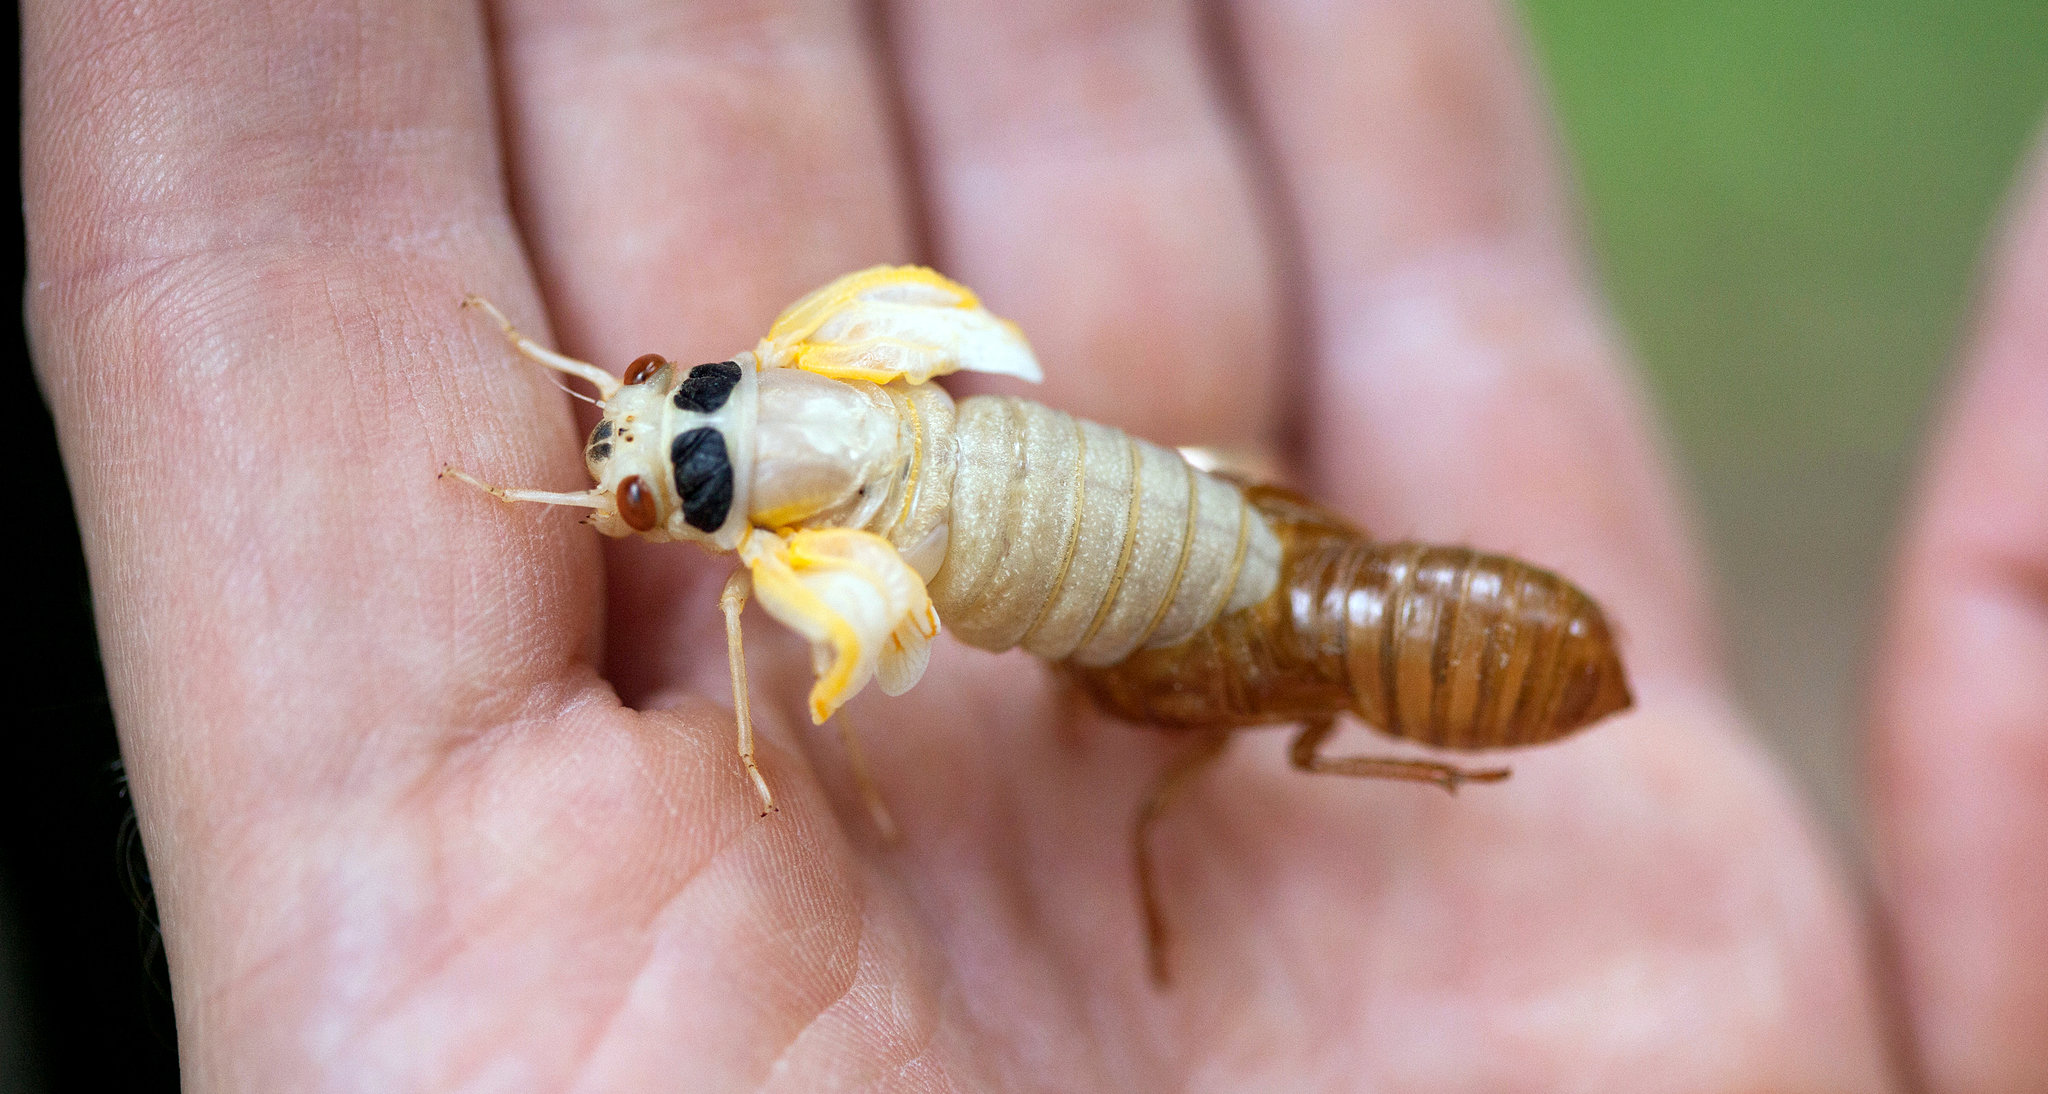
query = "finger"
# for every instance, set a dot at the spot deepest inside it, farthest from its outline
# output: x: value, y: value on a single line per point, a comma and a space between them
x: 243, y: 298
x: 1090, y: 188
x: 1465, y: 386
x: 1959, y: 768
x: 684, y: 171
x: 1466, y: 389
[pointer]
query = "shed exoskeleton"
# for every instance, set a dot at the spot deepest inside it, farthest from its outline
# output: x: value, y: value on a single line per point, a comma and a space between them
x: 1445, y: 646
x: 866, y: 505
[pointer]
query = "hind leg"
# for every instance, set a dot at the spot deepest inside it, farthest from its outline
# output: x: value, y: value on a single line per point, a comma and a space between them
x: 864, y: 778
x: 1306, y: 754
x: 1171, y: 785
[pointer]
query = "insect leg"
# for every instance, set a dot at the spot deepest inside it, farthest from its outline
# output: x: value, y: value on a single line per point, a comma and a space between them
x: 730, y: 602
x: 1172, y: 783
x: 1304, y: 753
x: 607, y: 385
x: 864, y: 777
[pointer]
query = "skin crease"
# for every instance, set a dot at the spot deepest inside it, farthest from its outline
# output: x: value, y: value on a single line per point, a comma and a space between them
x: 405, y: 834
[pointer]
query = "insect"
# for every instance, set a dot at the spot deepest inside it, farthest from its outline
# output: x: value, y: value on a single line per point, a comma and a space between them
x: 865, y: 505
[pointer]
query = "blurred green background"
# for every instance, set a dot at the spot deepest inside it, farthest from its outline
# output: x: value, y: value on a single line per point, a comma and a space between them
x: 1792, y: 204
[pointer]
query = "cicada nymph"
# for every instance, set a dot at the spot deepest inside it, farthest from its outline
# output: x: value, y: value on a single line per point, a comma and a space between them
x: 866, y: 505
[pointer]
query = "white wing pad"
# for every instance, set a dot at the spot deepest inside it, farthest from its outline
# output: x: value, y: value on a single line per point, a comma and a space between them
x: 864, y: 610
x: 893, y: 322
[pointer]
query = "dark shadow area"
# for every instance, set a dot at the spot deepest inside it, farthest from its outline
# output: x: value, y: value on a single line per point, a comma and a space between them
x: 84, y: 999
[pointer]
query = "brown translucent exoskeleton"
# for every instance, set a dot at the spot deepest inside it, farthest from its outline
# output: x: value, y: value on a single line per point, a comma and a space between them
x: 1445, y: 646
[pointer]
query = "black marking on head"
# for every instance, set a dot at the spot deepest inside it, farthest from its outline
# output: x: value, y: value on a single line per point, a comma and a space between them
x: 707, y: 387
x: 703, y: 477
x: 599, y: 452
x: 602, y: 432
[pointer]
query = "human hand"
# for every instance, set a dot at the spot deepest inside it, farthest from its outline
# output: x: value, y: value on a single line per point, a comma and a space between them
x: 405, y: 834
x: 1958, y: 778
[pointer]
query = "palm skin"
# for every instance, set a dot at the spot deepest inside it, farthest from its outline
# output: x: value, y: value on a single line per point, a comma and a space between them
x: 406, y: 833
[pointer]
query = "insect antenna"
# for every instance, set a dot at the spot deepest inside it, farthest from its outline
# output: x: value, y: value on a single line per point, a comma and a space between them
x: 575, y: 394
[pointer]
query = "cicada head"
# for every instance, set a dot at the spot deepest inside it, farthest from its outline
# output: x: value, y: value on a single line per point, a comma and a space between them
x: 672, y: 453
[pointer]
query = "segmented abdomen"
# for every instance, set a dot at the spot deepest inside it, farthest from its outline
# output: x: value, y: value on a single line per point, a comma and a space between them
x: 1443, y: 645
x: 1080, y: 542
x: 1455, y: 648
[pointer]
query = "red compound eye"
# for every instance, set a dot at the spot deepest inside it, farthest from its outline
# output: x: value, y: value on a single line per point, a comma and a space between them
x: 644, y: 366
x: 636, y: 504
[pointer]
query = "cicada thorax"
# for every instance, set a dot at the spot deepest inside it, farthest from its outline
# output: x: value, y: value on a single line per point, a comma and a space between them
x: 1077, y: 541
x: 854, y: 454
x: 1446, y: 646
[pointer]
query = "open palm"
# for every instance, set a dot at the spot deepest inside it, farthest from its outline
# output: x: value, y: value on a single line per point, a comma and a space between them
x: 439, y: 793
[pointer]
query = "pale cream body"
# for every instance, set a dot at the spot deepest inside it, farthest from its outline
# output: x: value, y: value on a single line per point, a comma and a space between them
x: 1031, y: 527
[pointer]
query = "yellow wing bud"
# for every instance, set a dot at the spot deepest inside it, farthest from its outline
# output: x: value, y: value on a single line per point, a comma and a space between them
x: 896, y: 321
x: 864, y: 610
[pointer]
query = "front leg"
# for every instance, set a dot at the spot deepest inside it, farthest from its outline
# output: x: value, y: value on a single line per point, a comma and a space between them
x: 606, y: 384
x: 731, y: 601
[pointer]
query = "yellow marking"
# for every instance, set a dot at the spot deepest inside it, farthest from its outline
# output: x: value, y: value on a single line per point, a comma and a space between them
x: 824, y: 360
x: 894, y: 322
x: 1073, y: 531
x: 775, y: 577
x: 778, y: 568
x: 1123, y: 559
x: 800, y: 319
x: 779, y: 520
x: 1180, y: 568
